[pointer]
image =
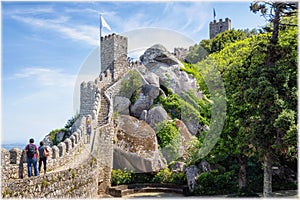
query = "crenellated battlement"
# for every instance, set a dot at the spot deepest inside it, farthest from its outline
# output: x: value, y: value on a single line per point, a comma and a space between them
x: 112, y: 36
x: 115, y: 64
x: 216, y: 27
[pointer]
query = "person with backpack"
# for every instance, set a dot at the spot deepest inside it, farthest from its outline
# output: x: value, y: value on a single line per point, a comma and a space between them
x: 43, y: 151
x: 32, y: 153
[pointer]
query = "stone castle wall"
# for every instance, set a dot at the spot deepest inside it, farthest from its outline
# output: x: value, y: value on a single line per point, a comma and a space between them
x: 219, y: 27
x: 86, y: 180
x: 79, y: 182
x: 89, y: 99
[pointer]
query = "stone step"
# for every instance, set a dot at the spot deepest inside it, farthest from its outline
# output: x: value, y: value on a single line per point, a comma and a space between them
x: 104, y: 111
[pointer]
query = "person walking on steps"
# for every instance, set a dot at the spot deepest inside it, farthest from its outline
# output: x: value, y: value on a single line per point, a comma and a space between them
x: 32, y: 153
x: 88, y: 129
x: 43, y: 151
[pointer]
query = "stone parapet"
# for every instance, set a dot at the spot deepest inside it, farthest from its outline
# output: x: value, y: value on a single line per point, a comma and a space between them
x: 79, y: 182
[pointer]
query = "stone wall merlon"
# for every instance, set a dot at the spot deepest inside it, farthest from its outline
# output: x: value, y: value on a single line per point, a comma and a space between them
x: 55, y: 152
x: 68, y: 143
x: 113, y: 35
x: 62, y: 149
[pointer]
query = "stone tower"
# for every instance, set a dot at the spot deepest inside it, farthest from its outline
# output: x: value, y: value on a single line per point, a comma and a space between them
x: 219, y: 27
x: 113, y: 53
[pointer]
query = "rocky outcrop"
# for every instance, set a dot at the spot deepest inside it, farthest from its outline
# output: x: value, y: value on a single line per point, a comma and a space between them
x: 136, y: 146
x: 158, y: 54
x: 145, y: 97
x: 186, y: 136
x: 156, y: 115
x: 192, y: 173
x: 121, y: 105
x: 166, y: 66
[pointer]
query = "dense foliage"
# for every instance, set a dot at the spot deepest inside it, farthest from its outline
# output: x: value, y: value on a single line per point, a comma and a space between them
x: 261, y: 102
x: 188, y: 107
x: 200, y: 51
x: 124, y: 177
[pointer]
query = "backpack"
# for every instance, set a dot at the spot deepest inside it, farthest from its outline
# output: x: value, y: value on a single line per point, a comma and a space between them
x: 31, y: 151
x: 45, y: 152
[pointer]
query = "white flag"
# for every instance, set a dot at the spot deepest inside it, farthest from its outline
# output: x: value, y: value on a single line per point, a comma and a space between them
x: 104, y: 23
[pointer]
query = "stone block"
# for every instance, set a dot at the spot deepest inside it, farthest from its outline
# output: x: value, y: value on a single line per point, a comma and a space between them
x: 55, y: 152
x: 62, y: 149
x: 15, y: 155
x: 68, y: 143
x: 72, y: 138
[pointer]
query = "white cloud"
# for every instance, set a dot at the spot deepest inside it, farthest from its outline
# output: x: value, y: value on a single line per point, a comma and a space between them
x: 27, y: 10
x: 84, y: 33
x: 194, y: 14
x: 46, y: 77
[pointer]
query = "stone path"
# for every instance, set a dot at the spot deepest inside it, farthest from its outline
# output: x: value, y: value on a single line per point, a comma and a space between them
x: 287, y: 194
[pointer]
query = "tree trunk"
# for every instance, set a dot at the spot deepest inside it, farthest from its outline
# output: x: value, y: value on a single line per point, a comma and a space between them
x: 242, y: 173
x: 267, y: 191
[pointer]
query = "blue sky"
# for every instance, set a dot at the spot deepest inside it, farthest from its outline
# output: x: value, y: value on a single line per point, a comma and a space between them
x: 45, y: 45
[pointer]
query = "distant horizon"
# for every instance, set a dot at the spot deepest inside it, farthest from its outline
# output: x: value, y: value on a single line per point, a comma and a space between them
x: 9, y: 146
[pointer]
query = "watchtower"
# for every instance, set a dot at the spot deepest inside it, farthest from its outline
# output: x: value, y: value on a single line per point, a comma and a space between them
x: 113, y: 53
x: 219, y: 27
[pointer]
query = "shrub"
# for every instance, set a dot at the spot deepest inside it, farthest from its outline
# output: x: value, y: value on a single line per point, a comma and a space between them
x: 167, y: 132
x: 120, y: 177
x: 130, y: 84
x: 166, y: 176
x: 163, y: 176
x: 124, y: 177
x: 171, y: 104
x: 71, y: 121
x: 56, y: 131
x: 214, y: 182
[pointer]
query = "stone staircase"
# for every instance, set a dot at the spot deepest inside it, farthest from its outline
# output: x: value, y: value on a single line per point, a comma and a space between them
x: 104, y: 110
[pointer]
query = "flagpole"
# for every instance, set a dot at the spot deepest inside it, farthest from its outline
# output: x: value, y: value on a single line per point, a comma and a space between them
x: 100, y: 27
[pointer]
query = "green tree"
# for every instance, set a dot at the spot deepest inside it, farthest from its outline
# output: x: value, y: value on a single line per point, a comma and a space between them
x: 234, y: 62
x: 264, y: 92
x: 225, y: 38
x: 196, y: 54
x: 248, y: 131
x: 200, y: 51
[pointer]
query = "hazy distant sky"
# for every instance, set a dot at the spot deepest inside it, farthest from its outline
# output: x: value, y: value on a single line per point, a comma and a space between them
x: 44, y: 45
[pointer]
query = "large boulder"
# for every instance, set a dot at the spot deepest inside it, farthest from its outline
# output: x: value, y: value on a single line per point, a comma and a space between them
x: 60, y: 136
x: 186, y: 136
x: 152, y: 79
x: 166, y: 66
x: 156, y: 115
x: 145, y: 97
x: 192, y: 173
x: 121, y: 105
x: 158, y: 54
x: 136, y: 146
